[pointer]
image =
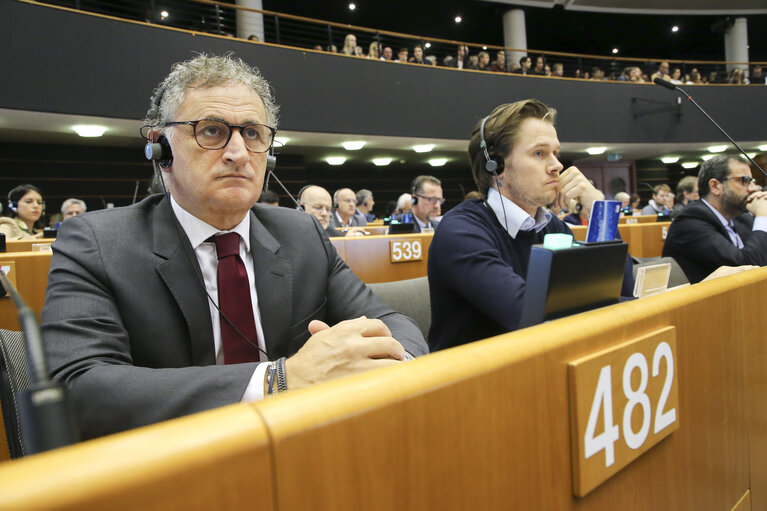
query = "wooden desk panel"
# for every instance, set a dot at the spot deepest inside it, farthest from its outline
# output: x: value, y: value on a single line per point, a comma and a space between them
x: 26, y: 245
x: 644, y: 240
x: 638, y: 219
x: 369, y: 257
x: 31, y: 281
x: 213, y: 460
x: 488, y: 422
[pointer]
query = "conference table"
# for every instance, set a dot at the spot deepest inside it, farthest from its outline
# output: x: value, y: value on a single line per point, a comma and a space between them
x: 640, y: 405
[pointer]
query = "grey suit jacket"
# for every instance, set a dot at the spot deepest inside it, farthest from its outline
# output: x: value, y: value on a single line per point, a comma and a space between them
x: 357, y: 221
x: 126, y: 323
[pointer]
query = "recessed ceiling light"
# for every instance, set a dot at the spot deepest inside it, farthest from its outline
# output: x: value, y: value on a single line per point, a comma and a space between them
x: 596, y: 150
x: 458, y: 19
x: 354, y: 145
x: 352, y: 7
x: 89, y: 130
x: 675, y: 28
x: 706, y: 157
x: 690, y: 164
x: 762, y: 147
x: 281, y: 141
x: 615, y: 51
x: 484, y: 47
x: 164, y: 14
x: 751, y: 155
x: 381, y: 162
x: 424, y: 148
x: 670, y: 159
x: 427, y: 45
x: 335, y: 160
x: 437, y: 162
x: 717, y: 148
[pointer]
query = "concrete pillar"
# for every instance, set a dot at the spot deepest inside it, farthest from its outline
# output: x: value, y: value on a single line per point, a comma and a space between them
x: 249, y: 22
x: 736, y: 44
x: 514, y: 35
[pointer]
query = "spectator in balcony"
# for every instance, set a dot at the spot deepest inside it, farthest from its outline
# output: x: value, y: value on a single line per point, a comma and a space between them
x: 388, y: 54
x: 558, y: 70
x: 418, y: 57
x: 318, y: 47
x: 358, y: 52
x: 757, y: 76
x: 402, y: 55
x: 72, y: 207
x: 524, y: 65
x: 658, y: 205
x: 499, y: 65
x: 253, y: 37
x: 547, y: 70
x: 540, y: 66
x: 597, y: 74
x: 676, y: 76
x: 736, y: 76
x: 694, y: 77
x: 448, y: 61
x: 662, y: 72
x: 483, y: 63
x: 332, y: 48
x: 350, y: 44
x: 473, y: 62
x: 461, y: 60
x: 373, y: 50
x: 584, y: 75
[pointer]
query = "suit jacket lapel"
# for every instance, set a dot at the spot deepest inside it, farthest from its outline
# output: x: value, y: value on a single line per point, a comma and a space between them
x: 274, y: 285
x: 170, y: 243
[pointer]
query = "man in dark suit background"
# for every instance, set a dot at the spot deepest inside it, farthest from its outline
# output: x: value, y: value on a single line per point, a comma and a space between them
x: 727, y: 227
x: 132, y: 322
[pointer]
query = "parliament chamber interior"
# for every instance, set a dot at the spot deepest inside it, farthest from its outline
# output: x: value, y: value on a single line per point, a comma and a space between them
x: 654, y: 403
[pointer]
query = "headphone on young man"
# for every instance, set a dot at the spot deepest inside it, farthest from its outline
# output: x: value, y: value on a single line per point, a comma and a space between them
x: 495, y: 164
x: 159, y: 149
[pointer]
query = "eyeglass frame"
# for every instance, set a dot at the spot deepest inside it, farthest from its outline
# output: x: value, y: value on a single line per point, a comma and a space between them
x: 742, y: 179
x: 194, y: 124
x: 432, y: 200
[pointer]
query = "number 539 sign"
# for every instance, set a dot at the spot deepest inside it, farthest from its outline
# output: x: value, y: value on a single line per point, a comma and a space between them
x: 623, y: 400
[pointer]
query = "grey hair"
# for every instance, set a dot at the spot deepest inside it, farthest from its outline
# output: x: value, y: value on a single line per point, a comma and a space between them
x: 363, y: 195
x: 69, y: 202
x: 403, y: 199
x: 205, y: 71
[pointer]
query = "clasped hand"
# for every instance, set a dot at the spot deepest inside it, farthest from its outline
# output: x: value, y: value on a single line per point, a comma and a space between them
x: 574, y: 185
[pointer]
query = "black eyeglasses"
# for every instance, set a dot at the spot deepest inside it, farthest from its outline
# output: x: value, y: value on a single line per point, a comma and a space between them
x: 432, y: 200
x: 211, y: 134
x: 745, y: 180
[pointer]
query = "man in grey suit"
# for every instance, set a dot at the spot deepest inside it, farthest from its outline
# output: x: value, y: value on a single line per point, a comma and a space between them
x: 132, y: 322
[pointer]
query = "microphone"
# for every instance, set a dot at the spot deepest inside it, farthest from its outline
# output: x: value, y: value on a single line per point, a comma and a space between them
x: 671, y: 86
x: 45, y: 415
x: 270, y: 173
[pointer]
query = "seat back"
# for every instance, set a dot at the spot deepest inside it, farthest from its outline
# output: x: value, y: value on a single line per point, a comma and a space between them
x: 13, y: 379
x: 409, y: 297
x: 677, y: 276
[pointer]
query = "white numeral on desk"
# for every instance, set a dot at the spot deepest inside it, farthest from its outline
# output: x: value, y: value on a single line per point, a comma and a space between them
x: 407, y: 250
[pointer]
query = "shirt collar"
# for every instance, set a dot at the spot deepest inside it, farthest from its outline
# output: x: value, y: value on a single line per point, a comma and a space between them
x: 721, y: 218
x: 512, y: 217
x: 198, y: 231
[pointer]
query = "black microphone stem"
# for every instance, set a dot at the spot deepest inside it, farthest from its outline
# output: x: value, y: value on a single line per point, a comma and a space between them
x: 283, y: 187
x: 669, y: 85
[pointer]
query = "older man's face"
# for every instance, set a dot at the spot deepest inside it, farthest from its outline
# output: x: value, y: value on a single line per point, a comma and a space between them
x: 217, y: 186
x: 316, y: 201
x: 387, y: 53
x: 347, y: 202
x: 73, y: 209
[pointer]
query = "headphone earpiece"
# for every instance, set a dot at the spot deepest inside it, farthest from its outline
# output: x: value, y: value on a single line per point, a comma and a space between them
x: 159, y: 151
x: 13, y: 205
x: 413, y: 199
x: 494, y: 165
x: 271, y: 160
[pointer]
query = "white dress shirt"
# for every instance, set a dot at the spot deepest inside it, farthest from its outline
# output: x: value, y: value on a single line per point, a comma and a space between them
x: 198, y: 232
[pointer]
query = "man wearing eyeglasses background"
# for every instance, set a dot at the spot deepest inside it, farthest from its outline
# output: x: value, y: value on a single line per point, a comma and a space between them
x: 727, y: 227
x: 200, y: 297
x: 345, y: 203
x: 427, y: 202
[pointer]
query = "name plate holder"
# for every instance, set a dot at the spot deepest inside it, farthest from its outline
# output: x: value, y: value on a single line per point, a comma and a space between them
x: 623, y: 401
x: 402, y: 251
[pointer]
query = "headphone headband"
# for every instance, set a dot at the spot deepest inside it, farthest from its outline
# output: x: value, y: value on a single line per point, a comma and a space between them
x: 491, y: 165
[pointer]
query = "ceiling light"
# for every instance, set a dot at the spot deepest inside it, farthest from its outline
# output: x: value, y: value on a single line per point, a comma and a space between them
x: 424, y: 148
x: 437, y: 162
x: 751, y: 155
x: 352, y: 7
x: 484, y: 47
x: 427, y: 45
x: 381, y: 162
x: 458, y: 19
x: 164, y: 14
x: 354, y: 145
x: 706, y: 157
x: 675, y: 28
x: 717, y: 148
x: 615, y: 51
x: 335, y: 160
x: 89, y: 130
x: 281, y: 141
x: 690, y: 164
x: 670, y: 159
x: 762, y: 147
x: 596, y: 150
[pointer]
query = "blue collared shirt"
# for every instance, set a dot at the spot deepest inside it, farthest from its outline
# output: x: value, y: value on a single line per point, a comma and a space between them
x: 512, y: 217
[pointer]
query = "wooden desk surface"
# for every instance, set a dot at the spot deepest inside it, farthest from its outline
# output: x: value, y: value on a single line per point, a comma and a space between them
x: 28, y: 245
x: 369, y: 257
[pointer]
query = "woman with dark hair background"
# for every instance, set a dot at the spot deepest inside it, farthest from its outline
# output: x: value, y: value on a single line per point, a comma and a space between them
x: 26, y: 208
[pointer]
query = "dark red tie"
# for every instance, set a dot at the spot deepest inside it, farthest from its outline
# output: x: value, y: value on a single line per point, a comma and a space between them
x: 234, y: 302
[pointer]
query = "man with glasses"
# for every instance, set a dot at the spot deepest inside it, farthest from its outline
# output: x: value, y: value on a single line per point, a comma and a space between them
x: 345, y: 216
x: 427, y: 202
x: 199, y: 297
x: 727, y: 227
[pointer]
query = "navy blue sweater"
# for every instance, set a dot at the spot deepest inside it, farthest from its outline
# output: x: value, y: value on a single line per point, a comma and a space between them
x: 477, y: 275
